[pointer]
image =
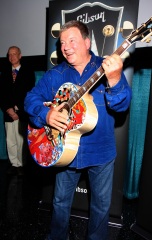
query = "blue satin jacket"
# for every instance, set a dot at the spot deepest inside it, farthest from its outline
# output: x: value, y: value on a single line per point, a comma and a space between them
x: 97, y: 146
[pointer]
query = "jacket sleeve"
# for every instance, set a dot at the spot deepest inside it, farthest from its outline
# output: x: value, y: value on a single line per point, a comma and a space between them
x: 118, y: 98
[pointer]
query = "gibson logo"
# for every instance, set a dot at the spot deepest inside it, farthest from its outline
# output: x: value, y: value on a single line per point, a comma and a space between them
x: 81, y: 190
x: 86, y: 19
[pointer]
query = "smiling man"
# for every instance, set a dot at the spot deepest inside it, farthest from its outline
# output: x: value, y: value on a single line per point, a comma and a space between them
x: 97, y: 148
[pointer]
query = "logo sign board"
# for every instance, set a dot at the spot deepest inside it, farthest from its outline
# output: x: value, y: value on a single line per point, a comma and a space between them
x: 103, y: 22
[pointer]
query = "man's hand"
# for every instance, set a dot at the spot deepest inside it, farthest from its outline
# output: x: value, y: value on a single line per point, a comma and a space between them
x: 57, y: 119
x: 113, y: 66
x: 12, y: 114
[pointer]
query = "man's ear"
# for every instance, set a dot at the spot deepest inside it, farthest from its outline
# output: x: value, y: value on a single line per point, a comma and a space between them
x: 88, y: 43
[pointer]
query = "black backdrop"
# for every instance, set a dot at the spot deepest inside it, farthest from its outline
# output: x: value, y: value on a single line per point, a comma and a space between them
x: 81, y: 199
x: 144, y: 212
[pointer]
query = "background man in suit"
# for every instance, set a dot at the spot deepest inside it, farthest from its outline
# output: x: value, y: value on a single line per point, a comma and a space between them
x: 16, y: 80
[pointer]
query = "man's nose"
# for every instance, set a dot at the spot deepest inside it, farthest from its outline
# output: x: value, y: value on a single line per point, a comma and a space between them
x: 66, y: 46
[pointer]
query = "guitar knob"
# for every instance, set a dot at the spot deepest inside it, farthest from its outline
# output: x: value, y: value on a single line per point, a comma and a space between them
x: 126, y: 29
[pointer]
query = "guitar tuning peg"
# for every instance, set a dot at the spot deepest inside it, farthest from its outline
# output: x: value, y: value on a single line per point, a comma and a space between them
x: 148, y: 40
x: 108, y: 30
x: 55, y: 30
x: 126, y: 29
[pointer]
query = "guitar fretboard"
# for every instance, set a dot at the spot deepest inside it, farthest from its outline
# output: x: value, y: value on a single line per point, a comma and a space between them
x: 144, y: 31
x: 94, y: 78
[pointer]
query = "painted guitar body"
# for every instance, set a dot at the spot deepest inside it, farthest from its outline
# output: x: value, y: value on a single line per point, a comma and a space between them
x: 60, y: 148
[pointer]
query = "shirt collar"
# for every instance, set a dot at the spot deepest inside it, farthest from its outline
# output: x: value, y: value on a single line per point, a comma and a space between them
x: 17, y: 68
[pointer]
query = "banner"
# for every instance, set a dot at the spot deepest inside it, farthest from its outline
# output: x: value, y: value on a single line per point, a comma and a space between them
x: 109, y: 23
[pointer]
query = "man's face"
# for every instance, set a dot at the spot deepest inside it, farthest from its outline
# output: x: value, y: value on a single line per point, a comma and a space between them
x: 74, y: 48
x: 14, y: 56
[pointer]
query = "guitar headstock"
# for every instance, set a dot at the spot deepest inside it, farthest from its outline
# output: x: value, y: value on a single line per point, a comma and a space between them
x: 142, y: 33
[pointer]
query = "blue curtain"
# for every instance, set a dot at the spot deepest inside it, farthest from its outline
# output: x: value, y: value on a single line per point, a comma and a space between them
x: 137, y: 129
x: 38, y: 75
x: 3, y: 150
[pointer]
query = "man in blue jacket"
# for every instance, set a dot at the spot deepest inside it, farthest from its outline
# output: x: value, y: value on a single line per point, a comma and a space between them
x: 97, y: 149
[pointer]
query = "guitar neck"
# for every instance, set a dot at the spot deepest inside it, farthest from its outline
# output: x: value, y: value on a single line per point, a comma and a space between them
x: 140, y: 34
x: 95, y: 77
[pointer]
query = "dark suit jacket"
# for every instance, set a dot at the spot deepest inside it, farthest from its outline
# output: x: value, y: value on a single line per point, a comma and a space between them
x: 12, y: 94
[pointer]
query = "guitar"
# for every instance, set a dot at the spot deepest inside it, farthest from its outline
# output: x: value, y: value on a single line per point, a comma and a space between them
x: 47, y: 145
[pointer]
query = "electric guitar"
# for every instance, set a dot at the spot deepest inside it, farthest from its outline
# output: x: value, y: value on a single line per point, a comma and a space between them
x: 47, y: 145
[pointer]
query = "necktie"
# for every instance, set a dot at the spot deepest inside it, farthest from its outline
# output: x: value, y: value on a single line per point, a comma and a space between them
x: 14, y: 74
